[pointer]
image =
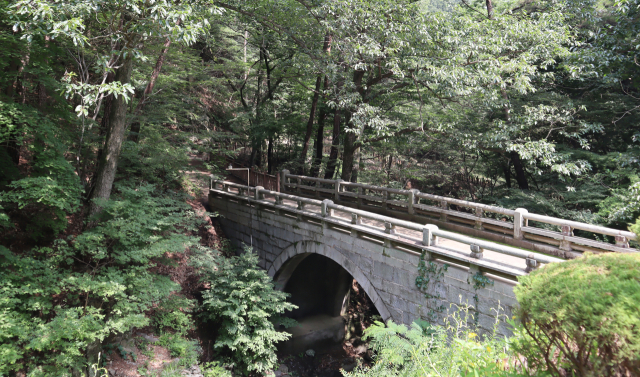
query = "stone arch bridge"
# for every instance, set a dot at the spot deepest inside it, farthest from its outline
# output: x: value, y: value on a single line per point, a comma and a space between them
x: 302, y: 235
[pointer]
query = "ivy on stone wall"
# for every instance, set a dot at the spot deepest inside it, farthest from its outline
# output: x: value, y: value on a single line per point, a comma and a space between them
x: 479, y: 281
x: 430, y: 272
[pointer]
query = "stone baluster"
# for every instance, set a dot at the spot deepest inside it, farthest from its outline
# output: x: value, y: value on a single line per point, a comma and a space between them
x: 317, y: 188
x: 258, y: 194
x: 355, y: 220
x: 299, y: 183
x: 476, y: 251
x: 445, y: 207
x: 428, y: 238
x: 385, y: 197
x: 532, y: 264
x: 411, y: 201
x: 389, y: 228
x: 326, y: 211
x: 518, y: 223
x: 479, y: 215
x: 338, y: 188
x: 360, y: 193
x: 622, y: 241
x: 565, y: 244
x: 283, y: 180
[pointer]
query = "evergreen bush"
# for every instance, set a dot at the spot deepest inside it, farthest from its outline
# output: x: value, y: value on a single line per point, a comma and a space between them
x: 242, y: 299
x: 580, y: 317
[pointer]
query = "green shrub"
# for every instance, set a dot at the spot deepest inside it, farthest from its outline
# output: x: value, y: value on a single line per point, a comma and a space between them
x: 242, y: 299
x: 580, y: 317
x: 57, y: 301
x: 427, y: 350
x: 214, y: 369
x: 174, y: 312
x: 180, y: 347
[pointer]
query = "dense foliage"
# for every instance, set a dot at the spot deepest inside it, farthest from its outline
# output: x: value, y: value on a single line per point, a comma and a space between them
x: 450, y: 350
x: 61, y: 299
x: 243, y: 300
x: 581, y: 317
x: 103, y: 105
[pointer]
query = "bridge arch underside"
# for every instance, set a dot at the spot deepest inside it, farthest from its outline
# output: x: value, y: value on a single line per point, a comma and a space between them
x: 319, y: 279
x: 386, y: 271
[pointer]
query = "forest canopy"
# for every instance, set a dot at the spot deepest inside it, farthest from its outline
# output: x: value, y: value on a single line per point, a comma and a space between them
x: 103, y: 105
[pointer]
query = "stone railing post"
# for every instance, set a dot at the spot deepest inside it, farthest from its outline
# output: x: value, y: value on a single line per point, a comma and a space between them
x: 211, y: 182
x: 360, y: 193
x: 411, y: 200
x: 385, y: 198
x: 283, y: 180
x: 325, y: 210
x: 355, y: 220
x: 476, y: 251
x: 532, y: 264
x: 298, y: 184
x: 518, y: 223
x: 389, y: 228
x: 258, y: 194
x: 428, y: 239
x: 567, y: 231
x: 337, y: 189
x: 479, y: 215
x: 622, y: 241
x: 445, y: 207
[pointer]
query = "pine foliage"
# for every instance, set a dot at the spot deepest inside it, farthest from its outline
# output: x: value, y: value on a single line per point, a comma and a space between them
x: 242, y: 299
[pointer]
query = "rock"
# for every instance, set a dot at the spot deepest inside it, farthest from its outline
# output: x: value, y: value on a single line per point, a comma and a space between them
x: 193, y: 371
x: 361, y: 349
x: 349, y: 367
x: 150, y: 338
x: 310, y: 352
x: 284, y: 369
x: 111, y: 371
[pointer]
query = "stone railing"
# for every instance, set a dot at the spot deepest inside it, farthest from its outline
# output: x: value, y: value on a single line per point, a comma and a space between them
x: 399, y: 233
x: 515, y: 227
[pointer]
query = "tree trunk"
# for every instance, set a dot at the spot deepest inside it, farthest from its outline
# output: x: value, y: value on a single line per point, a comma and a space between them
x: 326, y: 49
x: 270, y: 155
x: 135, y: 126
x: 357, y: 163
x: 319, y: 144
x: 507, y: 174
x: 117, y: 123
x: 307, y: 135
x: 349, y: 151
x: 521, y: 176
x: 348, y: 155
x: 335, y: 144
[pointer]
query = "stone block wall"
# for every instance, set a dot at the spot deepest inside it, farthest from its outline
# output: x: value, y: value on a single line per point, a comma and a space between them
x: 386, y: 273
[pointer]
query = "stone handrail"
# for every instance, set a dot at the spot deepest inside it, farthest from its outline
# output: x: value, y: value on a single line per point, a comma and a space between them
x: 487, y: 220
x: 430, y: 233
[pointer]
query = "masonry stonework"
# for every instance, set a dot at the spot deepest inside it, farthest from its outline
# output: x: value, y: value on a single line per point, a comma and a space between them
x: 385, y: 272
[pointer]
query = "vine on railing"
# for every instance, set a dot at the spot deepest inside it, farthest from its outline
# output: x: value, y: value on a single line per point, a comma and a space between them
x: 430, y: 272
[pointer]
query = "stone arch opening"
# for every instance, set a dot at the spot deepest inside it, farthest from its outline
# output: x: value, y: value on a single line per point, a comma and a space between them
x: 321, y: 284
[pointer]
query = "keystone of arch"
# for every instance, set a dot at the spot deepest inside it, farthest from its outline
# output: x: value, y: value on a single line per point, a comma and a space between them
x: 296, y: 252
